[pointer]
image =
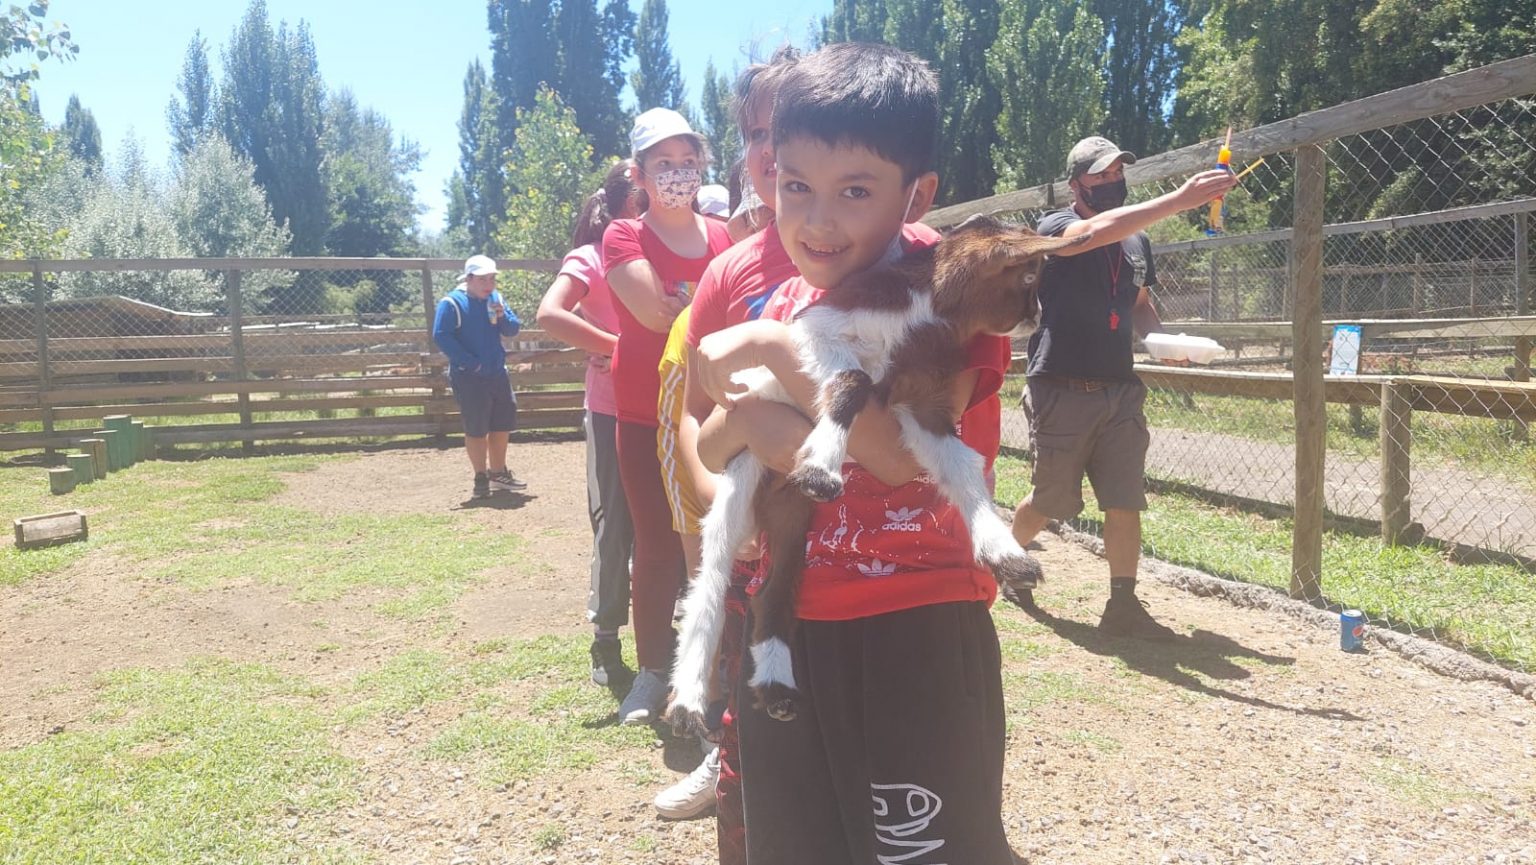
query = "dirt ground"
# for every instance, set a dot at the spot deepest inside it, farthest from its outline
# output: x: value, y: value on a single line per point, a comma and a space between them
x: 1253, y: 739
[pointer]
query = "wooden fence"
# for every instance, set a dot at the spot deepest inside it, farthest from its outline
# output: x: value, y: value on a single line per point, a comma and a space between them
x: 253, y: 366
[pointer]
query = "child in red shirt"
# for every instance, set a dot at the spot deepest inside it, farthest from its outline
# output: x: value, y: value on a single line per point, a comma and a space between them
x: 897, y: 752
x: 652, y: 265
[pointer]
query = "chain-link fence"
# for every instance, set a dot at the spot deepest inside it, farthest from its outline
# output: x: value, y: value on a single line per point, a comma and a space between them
x: 246, y: 350
x: 1427, y: 293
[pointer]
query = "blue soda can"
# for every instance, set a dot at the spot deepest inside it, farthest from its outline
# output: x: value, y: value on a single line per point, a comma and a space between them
x: 1352, y: 631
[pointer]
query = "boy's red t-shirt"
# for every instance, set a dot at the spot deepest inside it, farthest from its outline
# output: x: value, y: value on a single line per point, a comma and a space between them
x: 636, y: 382
x: 738, y: 283
x: 878, y: 549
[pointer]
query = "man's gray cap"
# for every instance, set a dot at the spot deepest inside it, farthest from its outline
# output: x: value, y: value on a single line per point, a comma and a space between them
x: 1095, y: 154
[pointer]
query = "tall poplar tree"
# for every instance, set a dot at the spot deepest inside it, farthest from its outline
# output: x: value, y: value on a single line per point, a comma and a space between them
x: 192, y: 115
x: 657, y: 81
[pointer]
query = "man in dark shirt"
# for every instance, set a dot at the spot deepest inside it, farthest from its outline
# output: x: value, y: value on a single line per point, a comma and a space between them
x: 1084, y: 400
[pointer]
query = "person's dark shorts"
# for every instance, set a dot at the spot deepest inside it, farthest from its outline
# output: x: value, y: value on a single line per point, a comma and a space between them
x: 486, y: 403
x: 1079, y: 427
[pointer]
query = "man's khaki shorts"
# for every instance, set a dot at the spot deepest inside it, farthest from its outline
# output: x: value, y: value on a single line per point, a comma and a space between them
x: 1092, y: 427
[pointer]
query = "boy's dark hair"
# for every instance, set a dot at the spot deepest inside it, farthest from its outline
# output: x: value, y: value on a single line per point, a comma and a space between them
x: 863, y: 94
x: 760, y: 81
x: 602, y: 206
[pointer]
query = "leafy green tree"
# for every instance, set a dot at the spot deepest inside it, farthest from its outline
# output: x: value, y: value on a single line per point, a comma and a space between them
x: 586, y: 56
x: 524, y: 57
x: 217, y: 208
x: 124, y: 215
x: 1140, y: 67
x: 373, y: 202
x: 479, y: 173
x: 82, y: 136
x: 657, y: 81
x: 717, y: 105
x: 854, y: 21
x: 549, y: 175
x: 1047, y: 65
x: 28, y: 156
x: 971, y: 100
x: 193, y: 115
x: 271, y: 113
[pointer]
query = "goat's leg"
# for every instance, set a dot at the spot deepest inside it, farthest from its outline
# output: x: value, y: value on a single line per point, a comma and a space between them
x: 725, y: 528
x: 818, y: 469
x: 958, y: 470
x: 786, y: 515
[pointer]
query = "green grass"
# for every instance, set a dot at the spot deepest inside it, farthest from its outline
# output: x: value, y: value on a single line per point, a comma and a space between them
x: 198, y: 764
x: 1490, y: 609
x: 1416, y: 785
x: 1483, y: 445
x: 211, y: 522
x: 568, y: 726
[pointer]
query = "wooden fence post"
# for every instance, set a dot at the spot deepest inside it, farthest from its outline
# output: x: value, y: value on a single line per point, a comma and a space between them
x: 236, y: 303
x: 44, y: 374
x: 1522, y: 305
x: 429, y: 308
x: 1311, y: 410
x: 1396, y: 464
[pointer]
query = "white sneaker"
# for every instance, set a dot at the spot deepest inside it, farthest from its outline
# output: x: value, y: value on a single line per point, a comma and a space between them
x: 695, y: 793
x: 646, y: 697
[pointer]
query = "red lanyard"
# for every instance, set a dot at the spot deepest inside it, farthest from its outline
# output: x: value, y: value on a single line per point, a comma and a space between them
x: 1115, y: 261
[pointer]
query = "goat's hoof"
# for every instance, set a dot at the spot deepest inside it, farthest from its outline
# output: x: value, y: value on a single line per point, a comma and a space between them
x: 816, y: 483
x: 685, y: 721
x: 1020, y: 570
x: 778, y: 701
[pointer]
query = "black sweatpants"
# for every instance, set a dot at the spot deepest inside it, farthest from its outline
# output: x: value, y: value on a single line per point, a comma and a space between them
x: 897, y: 752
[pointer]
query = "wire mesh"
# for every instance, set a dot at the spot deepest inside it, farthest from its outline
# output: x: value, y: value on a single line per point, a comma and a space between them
x: 1427, y: 253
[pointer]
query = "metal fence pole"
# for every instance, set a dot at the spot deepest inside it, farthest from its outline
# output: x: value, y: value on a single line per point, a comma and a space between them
x: 1396, y: 465
x: 44, y: 374
x: 1306, y: 335
x: 236, y: 304
x: 1522, y: 371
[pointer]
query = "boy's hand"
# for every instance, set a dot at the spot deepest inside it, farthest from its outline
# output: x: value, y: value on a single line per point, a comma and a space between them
x: 1205, y: 187
x: 774, y: 431
x: 729, y: 351
x: 674, y: 304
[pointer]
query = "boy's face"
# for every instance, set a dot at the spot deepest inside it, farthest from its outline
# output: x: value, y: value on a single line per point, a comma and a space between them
x: 839, y: 208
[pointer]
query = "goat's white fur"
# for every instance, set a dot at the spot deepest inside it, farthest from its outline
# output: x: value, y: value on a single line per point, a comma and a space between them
x: 828, y: 341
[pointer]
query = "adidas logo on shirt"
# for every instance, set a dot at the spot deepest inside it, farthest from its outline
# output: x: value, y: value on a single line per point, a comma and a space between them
x: 903, y: 520
x: 877, y: 568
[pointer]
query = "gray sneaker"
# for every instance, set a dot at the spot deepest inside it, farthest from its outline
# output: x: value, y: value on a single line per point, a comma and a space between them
x: 503, y: 482
x: 646, y: 697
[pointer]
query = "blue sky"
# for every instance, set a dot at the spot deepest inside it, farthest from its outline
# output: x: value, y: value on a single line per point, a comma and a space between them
x: 405, y: 58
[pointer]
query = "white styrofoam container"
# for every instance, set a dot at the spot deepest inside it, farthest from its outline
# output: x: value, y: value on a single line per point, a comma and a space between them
x: 1195, y: 349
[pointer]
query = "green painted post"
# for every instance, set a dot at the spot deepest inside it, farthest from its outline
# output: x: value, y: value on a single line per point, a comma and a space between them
x: 122, y: 424
x: 100, y: 463
x: 61, y: 480
x: 114, y: 450
x: 84, y: 467
x: 148, y: 442
x: 137, y: 427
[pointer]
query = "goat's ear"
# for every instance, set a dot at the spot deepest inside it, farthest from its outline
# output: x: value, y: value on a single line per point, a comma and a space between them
x: 1034, y: 245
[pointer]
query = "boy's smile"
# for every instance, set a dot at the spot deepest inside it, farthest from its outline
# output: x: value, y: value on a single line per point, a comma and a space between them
x: 839, y: 208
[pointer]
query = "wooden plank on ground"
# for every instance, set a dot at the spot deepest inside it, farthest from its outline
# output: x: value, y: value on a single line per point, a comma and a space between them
x: 47, y: 530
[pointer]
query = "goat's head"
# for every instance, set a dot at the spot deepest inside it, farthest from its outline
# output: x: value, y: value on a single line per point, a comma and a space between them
x: 986, y: 274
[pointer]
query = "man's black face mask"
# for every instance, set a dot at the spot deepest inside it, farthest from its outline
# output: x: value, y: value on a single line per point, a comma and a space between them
x: 1105, y: 196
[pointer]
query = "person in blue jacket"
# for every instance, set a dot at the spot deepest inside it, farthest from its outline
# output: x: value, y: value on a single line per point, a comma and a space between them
x: 468, y: 328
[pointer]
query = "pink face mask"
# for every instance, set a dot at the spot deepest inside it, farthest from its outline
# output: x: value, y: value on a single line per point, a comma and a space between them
x: 677, y: 188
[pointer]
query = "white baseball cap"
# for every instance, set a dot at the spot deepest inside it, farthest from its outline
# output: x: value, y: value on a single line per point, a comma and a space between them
x: 714, y: 200
x: 477, y: 265
x: 658, y: 125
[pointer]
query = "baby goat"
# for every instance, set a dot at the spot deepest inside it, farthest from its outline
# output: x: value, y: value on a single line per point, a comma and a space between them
x: 896, y: 333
